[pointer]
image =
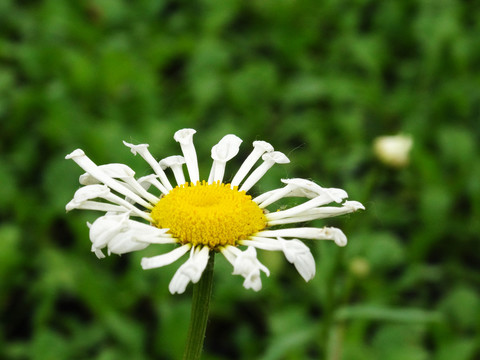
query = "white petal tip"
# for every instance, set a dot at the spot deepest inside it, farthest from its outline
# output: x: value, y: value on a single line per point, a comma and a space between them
x: 171, y: 161
x: 276, y: 156
x: 184, y: 136
x: 354, y: 205
x: 135, y: 148
x: 75, y: 153
x: 227, y: 148
x: 99, y: 254
x: 70, y: 206
x: 337, y: 195
x: 146, y: 264
x: 334, y: 234
x: 340, y: 240
x: 265, y: 146
x: 177, y: 288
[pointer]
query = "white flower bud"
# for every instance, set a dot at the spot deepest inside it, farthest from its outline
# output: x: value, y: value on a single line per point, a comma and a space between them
x: 393, y: 150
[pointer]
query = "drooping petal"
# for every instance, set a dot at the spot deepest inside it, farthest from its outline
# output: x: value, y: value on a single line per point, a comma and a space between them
x: 165, y: 259
x: 104, y: 229
x: 121, y: 235
x: 125, y: 242
x: 150, y: 234
x: 296, y: 252
x: 300, y: 256
x: 190, y: 271
x: 246, y: 264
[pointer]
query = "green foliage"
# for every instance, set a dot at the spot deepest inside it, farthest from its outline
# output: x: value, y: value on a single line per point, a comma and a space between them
x: 320, y: 80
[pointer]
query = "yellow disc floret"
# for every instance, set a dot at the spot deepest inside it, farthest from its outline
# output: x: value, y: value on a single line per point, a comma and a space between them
x: 208, y: 214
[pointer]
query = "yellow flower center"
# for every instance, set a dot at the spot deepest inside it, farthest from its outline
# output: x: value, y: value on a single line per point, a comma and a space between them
x: 208, y: 214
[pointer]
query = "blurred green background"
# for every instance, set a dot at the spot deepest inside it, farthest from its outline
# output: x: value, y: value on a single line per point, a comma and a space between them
x: 320, y: 80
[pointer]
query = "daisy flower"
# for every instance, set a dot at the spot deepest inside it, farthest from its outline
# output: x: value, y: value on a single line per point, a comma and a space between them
x: 205, y: 215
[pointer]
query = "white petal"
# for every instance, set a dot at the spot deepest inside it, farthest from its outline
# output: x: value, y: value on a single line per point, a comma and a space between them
x: 246, y: 264
x: 165, y: 259
x: 309, y: 189
x: 185, y: 138
x: 90, y: 167
x: 225, y: 150
x: 300, y: 188
x: 262, y: 197
x: 259, y: 148
x: 335, y: 234
x: 269, y: 159
x: 147, y: 229
x: 263, y: 146
x: 98, y: 253
x: 275, y: 196
x: 353, y: 205
x: 75, y: 153
x: 104, y: 229
x: 302, y: 209
x: 326, y: 233
x: 116, y: 171
x: 170, y: 161
x: 128, y: 206
x: 142, y: 149
x: 295, y: 251
x: 175, y: 162
x: 98, y: 206
x: 152, y: 179
x: 90, y: 192
x: 299, y: 255
x: 85, y: 193
x: 190, y: 271
x: 151, y: 234
x: 135, y: 186
x: 125, y: 242
x: 319, y: 213
x: 122, y: 235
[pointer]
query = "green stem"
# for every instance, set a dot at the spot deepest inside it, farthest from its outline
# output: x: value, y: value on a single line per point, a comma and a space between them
x: 330, y: 305
x: 202, y: 292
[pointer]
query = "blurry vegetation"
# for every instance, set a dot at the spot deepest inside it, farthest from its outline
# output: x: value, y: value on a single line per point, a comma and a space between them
x: 320, y: 80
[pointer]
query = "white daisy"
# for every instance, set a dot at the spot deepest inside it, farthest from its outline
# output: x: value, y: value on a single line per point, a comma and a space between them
x: 202, y: 216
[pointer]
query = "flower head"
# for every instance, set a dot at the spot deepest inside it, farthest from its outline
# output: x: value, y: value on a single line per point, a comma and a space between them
x: 207, y: 215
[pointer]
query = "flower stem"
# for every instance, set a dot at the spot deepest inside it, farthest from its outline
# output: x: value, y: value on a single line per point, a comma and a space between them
x: 202, y: 292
